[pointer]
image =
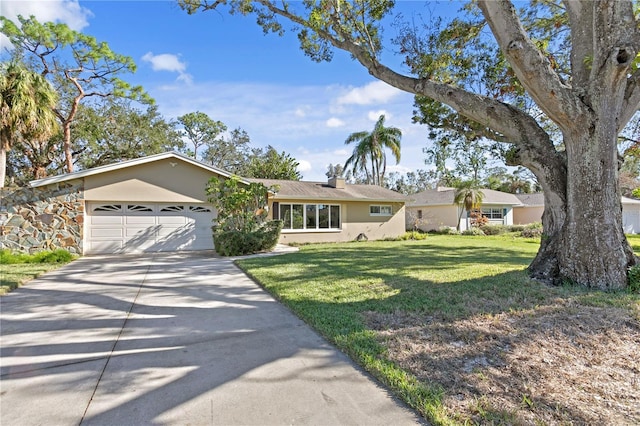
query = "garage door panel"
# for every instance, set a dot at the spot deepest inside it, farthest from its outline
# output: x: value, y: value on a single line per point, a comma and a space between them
x: 137, y: 228
x: 107, y: 220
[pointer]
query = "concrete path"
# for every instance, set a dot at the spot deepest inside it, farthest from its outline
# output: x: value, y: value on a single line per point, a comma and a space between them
x: 171, y: 339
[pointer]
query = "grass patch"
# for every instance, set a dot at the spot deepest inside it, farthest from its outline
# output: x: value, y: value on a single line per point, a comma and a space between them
x: 18, y: 268
x: 443, y: 321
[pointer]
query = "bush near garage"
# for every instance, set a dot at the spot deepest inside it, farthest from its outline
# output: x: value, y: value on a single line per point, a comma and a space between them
x: 242, y: 226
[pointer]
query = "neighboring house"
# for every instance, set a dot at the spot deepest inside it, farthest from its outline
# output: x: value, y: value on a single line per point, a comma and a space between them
x: 530, y: 210
x: 533, y: 206
x: 158, y: 203
x: 431, y: 209
x: 334, y: 211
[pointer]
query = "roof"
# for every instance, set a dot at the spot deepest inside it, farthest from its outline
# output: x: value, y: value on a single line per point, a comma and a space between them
x: 129, y: 163
x: 301, y: 190
x: 626, y: 200
x: 445, y: 197
x: 531, y: 200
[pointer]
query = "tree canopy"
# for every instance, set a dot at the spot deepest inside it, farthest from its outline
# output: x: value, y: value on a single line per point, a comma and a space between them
x: 555, y: 80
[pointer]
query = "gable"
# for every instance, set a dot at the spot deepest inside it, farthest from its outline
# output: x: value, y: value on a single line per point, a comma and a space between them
x: 170, y: 179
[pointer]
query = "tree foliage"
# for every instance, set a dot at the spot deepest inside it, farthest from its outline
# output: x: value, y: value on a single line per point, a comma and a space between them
x: 78, y: 66
x: 268, y: 163
x: 26, y: 109
x: 117, y: 130
x: 468, y: 197
x: 369, y: 154
x: 201, y: 131
x: 556, y: 80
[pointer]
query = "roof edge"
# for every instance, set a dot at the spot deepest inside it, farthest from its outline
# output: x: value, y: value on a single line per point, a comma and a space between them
x: 129, y: 163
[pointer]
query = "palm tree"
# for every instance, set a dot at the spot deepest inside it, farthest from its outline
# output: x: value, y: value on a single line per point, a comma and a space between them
x: 468, y: 196
x: 27, y: 100
x: 371, y: 147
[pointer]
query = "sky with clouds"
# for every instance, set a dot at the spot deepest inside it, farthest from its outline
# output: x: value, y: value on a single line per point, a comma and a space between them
x: 224, y: 66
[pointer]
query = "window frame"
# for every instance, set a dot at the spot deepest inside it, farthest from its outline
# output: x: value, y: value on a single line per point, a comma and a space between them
x: 380, y: 208
x: 289, y: 208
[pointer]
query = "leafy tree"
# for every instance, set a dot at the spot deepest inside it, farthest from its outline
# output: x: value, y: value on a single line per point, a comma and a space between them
x: 116, y: 131
x: 334, y: 170
x: 26, y: 102
x: 517, y: 182
x: 269, y: 164
x: 468, y: 197
x: 201, y: 130
x: 241, y: 226
x: 230, y: 153
x: 558, y: 81
x: 371, y: 146
x: 78, y: 66
x: 409, y: 183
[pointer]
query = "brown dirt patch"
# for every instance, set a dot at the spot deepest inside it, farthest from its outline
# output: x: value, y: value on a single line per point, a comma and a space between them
x: 563, y: 363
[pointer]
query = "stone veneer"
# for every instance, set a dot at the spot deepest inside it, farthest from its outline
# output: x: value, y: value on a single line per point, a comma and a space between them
x: 46, y: 218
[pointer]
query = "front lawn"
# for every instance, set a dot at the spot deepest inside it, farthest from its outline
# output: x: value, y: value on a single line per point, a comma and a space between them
x: 455, y: 328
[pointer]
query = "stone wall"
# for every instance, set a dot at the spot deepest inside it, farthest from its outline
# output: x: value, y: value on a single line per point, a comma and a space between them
x: 47, y: 218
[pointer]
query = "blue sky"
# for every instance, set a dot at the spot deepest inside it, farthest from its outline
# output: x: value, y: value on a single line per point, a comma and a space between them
x: 224, y: 66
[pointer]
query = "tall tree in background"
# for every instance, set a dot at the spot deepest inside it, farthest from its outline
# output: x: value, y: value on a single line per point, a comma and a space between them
x: 26, y: 109
x: 566, y: 68
x: 231, y: 152
x: 201, y: 130
x: 468, y: 197
x: 117, y: 131
x: 78, y: 66
x: 270, y: 164
x: 371, y: 147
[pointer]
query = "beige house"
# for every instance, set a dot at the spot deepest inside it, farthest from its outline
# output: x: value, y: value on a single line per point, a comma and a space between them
x: 158, y: 203
x: 334, y: 211
x: 532, y: 208
x: 434, y: 208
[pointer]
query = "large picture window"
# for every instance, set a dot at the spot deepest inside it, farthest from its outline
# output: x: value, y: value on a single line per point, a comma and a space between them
x: 310, y: 216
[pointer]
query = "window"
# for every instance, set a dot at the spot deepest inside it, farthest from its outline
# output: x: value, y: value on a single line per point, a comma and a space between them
x: 108, y: 208
x: 310, y: 216
x: 380, y: 210
x: 492, y: 213
x: 138, y: 208
x: 419, y: 214
x: 172, y: 209
x: 199, y: 209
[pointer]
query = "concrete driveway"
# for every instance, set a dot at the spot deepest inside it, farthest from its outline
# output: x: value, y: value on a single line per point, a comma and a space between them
x: 180, y: 339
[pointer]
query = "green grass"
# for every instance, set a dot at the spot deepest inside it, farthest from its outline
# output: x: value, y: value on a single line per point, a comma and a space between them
x: 333, y: 286
x: 18, y: 268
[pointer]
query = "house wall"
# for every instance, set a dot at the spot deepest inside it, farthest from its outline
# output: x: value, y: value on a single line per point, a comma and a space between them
x: 631, y: 218
x: 169, y: 180
x: 355, y: 220
x: 528, y: 214
x: 433, y: 217
x: 49, y: 218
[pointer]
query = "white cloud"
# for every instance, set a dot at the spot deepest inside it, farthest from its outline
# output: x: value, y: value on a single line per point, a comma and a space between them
x: 65, y: 11
x: 169, y: 62
x: 304, y: 166
x: 341, y: 152
x: 375, y: 115
x: 376, y: 92
x: 335, y: 122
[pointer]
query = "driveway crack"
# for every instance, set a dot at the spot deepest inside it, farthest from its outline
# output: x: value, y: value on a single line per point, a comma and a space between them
x: 115, y: 343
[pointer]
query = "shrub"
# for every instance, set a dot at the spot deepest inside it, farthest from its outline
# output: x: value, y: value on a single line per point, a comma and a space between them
x: 633, y: 275
x: 412, y: 235
x: 447, y: 230
x: 533, y: 230
x: 57, y: 256
x: 494, y: 229
x: 242, y: 226
x: 473, y: 231
x: 237, y: 243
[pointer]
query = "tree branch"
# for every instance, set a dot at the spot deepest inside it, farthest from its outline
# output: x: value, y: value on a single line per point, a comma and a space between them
x: 532, y: 68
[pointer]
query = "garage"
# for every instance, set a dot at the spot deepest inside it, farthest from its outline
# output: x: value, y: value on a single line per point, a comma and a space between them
x: 126, y: 227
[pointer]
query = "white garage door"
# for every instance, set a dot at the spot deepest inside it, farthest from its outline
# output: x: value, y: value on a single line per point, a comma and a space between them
x: 124, y: 227
x: 631, y: 219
